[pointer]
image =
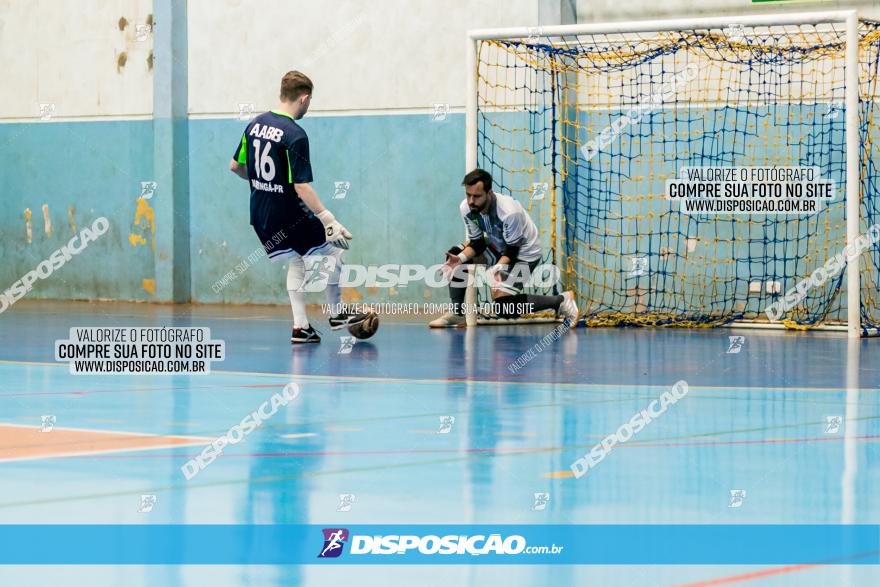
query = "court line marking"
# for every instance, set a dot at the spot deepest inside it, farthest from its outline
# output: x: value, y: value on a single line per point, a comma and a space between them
x: 105, y: 431
x: 89, y: 454
x: 551, y: 405
x: 750, y: 576
x: 518, y: 449
x: 503, y: 382
x: 185, y: 441
x: 232, y: 387
x: 273, y: 427
x: 569, y: 403
x: 371, y: 468
x: 569, y: 473
x: 261, y: 480
x: 841, y: 389
x: 781, y: 570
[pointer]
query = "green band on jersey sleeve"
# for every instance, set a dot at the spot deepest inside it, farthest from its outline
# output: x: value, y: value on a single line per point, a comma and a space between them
x: 289, y: 167
x: 242, y: 152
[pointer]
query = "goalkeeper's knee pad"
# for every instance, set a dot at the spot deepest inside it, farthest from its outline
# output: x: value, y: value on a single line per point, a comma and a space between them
x: 456, y: 249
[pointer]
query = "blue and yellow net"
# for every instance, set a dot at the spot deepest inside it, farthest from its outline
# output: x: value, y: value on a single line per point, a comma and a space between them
x: 733, y: 97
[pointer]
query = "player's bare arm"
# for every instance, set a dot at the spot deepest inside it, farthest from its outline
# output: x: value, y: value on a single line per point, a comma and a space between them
x: 309, y: 196
x: 238, y: 169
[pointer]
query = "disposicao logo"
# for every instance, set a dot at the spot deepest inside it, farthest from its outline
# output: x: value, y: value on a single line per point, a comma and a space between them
x: 334, y: 540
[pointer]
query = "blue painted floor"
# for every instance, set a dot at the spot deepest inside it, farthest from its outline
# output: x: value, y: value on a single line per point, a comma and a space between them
x: 366, y: 423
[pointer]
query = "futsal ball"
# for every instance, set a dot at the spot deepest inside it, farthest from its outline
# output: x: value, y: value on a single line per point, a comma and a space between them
x: 365, y: 329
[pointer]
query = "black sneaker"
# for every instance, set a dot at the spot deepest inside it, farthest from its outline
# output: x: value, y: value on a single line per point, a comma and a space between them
x: 303, y: 335
x: 346, y: 319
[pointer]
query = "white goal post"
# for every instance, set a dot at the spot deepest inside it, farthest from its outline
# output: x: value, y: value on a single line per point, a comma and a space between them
x: 535, y: 48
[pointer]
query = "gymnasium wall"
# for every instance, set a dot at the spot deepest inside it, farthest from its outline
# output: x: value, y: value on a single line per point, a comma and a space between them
x: 379, y: 68
x: 614, y: 10
x: 76, y: 138
x: 370, y: 125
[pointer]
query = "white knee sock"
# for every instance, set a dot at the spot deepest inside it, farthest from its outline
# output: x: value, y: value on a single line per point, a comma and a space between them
x: 332, y: 293
x: 333, y: 297
x: 295, y: 277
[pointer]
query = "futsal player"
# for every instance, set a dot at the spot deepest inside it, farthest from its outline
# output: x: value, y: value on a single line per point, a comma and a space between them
x: 499, y: 229
x: 286, y: 213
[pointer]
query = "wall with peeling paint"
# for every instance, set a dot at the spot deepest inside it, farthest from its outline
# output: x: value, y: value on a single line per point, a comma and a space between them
x: 77, y: 140
x: 91, y: 81
x: 79, y: 171
x: 84, y: 58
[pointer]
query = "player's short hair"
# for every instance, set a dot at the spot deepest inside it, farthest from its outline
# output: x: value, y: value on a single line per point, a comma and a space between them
x: 478, y: 175
x: 294, y: 84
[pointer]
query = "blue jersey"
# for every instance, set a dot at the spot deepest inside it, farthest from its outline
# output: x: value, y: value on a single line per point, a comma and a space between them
x: 276, y: 151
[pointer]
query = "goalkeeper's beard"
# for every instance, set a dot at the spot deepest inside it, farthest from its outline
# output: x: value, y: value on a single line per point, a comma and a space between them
x: 484, y: 207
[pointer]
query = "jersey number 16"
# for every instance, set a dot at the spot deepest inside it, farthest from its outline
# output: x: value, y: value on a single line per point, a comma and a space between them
x: 265, y: 165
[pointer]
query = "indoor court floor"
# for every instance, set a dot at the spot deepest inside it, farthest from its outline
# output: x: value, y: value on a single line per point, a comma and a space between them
x: 777, y: 428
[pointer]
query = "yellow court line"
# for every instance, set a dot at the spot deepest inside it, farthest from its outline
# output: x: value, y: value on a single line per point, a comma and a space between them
x: 558, y: 475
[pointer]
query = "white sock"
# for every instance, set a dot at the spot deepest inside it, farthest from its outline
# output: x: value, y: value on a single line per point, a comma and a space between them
x: 295, y: 276
x: 333, y: 297
x: 332, y: 293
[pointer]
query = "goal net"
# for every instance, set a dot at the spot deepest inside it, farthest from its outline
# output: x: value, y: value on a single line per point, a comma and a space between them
x: 588, y: 131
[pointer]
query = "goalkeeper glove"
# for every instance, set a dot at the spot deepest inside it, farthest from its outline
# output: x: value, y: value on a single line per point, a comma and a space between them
x: 336, y: 234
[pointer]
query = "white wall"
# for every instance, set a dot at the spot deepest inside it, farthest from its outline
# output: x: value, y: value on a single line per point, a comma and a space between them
x: 377, y: 55
x: 614, y: 10
x: 66, y: 52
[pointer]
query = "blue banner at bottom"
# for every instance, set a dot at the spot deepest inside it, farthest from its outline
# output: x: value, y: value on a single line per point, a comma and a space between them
x: 439, y: 544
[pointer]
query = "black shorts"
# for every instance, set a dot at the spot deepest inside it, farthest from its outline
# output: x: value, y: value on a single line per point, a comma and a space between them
x: 285, y: 239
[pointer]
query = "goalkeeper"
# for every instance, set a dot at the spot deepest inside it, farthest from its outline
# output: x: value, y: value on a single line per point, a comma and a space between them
x: 500, y: 230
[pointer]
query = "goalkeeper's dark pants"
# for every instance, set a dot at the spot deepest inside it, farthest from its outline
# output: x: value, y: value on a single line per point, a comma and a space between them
x: 514, y: 300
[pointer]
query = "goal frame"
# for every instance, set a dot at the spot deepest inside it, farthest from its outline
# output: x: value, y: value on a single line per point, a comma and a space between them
x: 851, y: 100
